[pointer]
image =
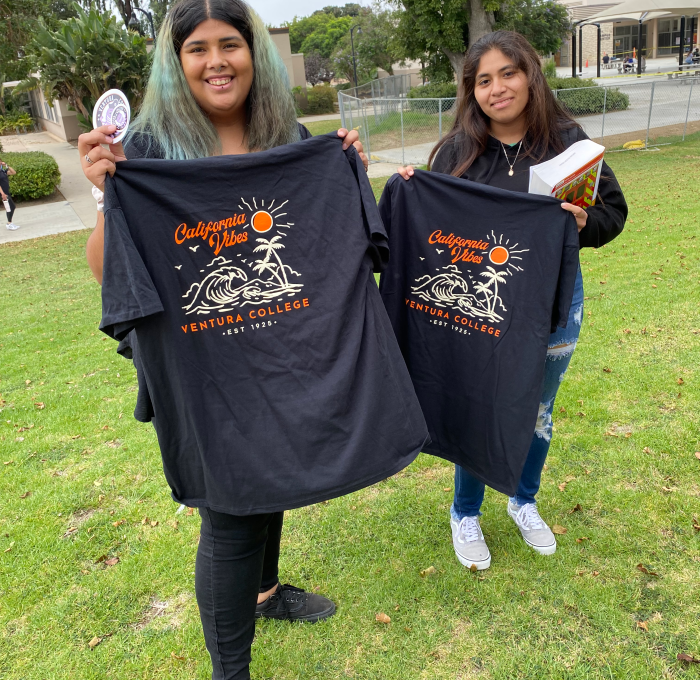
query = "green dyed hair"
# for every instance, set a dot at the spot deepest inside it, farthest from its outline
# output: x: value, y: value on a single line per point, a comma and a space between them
x: 171, y: 118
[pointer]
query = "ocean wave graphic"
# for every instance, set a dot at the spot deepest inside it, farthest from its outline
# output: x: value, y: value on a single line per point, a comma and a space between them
x: 228, y: 287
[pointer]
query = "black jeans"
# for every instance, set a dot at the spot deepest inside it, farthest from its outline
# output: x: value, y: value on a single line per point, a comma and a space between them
x: 236, y: 560
x: 12, y: 209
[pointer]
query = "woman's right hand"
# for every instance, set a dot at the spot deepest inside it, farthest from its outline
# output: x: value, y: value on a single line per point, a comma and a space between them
x: 103, y: 160
x: 405, y: 172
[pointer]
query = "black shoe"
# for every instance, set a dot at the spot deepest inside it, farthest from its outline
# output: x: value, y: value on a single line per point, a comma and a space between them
x: 295, y: 604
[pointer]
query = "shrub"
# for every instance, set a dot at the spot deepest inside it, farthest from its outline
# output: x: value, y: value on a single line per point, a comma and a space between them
x: 320, y: 100
x: 591, y: 100
x: 433, y: 91
x: 37, y: 174
x: 569, y: 83
x: 549, y: 68
x: 13, y: 123
x: 444, y: 91
x: 343, y: 86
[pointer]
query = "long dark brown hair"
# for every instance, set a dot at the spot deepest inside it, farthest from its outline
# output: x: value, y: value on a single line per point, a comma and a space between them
x: 546, y: 118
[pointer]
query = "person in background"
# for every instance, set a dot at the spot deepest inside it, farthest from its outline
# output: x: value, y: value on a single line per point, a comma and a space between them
x: 606, y: 58
x: 688, y: 58
x: 507, y: 115
x: 5, y: 172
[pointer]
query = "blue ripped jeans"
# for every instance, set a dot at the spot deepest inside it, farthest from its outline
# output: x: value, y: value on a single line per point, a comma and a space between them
x: 469, y: 491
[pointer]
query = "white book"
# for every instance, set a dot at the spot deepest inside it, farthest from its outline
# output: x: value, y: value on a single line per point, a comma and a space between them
x: 572, y: 176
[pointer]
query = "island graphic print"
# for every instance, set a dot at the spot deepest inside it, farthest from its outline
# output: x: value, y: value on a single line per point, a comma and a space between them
x: 259, y: 280
x: 471, y: 292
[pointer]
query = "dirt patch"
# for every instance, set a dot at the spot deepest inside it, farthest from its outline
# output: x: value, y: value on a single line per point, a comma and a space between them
x: 81, y: 516
x: 166, y: 613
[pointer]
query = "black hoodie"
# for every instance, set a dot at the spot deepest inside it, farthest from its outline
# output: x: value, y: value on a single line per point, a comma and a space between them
x: 606, y: 218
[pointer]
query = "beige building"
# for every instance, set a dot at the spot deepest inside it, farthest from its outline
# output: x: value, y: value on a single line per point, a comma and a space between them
x: 661, y: 35
x: 293, y: 62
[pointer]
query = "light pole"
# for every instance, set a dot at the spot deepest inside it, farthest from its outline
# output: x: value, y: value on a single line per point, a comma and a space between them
x: 134, y: 24
x: 352, y: 45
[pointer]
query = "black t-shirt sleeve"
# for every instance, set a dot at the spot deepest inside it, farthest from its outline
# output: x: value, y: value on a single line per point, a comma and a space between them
x: 606, y: 219
x: 141, y: 145
x: 303, y: 132
x: 128, y: 293
x: 379, y: 248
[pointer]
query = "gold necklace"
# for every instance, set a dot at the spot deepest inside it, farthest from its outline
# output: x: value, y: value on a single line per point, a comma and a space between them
x: 510, y: 172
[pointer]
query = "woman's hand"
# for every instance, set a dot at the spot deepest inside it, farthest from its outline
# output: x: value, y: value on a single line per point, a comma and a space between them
x: 353, y: 138
x: 102, y: 161
x: 405, y: 172
x: 579, y: 213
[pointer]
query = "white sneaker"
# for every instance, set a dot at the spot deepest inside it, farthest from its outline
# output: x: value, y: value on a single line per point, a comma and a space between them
x: 469, y: 544
x: 12, y: 226
x: 533, y: 528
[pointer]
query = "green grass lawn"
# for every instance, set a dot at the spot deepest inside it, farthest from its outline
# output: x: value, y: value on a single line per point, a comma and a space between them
x: 81, y: 486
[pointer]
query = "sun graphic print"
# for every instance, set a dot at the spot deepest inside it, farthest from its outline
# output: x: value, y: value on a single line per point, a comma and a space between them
x: 475, y: 294
x: 226, y: 285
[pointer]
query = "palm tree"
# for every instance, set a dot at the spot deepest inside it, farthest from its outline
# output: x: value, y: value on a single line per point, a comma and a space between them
x: 482, y: 287
x: 494, y: 278
x: 269, y: 248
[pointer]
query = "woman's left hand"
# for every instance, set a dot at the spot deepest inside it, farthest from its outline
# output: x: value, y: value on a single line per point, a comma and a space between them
x: 353, y: 138
x: 579, y: 213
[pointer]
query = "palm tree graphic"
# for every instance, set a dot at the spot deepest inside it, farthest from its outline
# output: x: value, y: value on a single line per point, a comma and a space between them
x: 494, y: 278
x: 277, y: 269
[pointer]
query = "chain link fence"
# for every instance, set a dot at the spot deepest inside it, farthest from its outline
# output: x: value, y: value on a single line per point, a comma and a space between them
x: 403, y: 130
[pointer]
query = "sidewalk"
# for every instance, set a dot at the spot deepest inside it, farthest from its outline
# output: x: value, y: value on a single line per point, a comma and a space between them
x: 611, y: 76
x: 76, y: 212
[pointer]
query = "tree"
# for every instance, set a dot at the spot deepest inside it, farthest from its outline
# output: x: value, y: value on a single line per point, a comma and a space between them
x: 449, y: 27
x: 544, y: 24
x: 317, y: 33
x: 318, y: 69
x: 19, y: 20
x: 376, y: 45
x: 351, y: 9
x: 84, y: 58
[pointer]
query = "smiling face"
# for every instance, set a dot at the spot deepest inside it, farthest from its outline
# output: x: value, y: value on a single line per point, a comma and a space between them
x: 218, y: 66
x: 501, y: 88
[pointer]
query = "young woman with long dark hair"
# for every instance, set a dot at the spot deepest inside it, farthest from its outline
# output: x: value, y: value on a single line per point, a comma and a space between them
x: 217, y: 86
x: 507, y: 120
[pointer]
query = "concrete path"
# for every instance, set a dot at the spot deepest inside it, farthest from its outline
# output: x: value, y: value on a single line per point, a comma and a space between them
x: 324, y: 116
x: 76, y: 212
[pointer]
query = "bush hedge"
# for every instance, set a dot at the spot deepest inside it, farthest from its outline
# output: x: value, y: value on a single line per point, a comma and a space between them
x: 37, y: 174
x: 321, y: 99
x: 445, y: 91
x: 582, y: 96
x: 592, y: 100
x: 12, y: 123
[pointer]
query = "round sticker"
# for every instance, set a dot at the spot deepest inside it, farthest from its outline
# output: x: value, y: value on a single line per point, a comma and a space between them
x: 112, y: 108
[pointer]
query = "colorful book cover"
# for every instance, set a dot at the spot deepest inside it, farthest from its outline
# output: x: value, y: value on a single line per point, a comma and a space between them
x: 581, y: 187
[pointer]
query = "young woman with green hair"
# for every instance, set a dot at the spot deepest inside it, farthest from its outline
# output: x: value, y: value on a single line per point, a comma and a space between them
x: 217, y: 86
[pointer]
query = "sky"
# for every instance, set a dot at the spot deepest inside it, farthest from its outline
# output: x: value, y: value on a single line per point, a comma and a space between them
x: 276, y: 12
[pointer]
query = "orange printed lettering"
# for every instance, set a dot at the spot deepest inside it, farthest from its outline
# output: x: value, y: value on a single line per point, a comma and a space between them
x: 413, y: 304
x: 305, y: 301
x: 497, y: 333
x: 229, y: 319
x: 251, y: 313
x: 261, y: 313
x: 287, y: 307
x: 180, y: 233
x: 203, y: 325
x: 193, y: 326
x: 270, y: 312
x: 184, y: 329
x: 296, y: 304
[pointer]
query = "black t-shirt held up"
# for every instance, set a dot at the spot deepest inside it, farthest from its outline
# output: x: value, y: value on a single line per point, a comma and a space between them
x: 273, y: 372
x: 478, y: 279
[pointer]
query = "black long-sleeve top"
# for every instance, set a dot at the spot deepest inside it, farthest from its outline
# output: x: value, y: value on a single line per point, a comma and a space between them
x: 606, y: 218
